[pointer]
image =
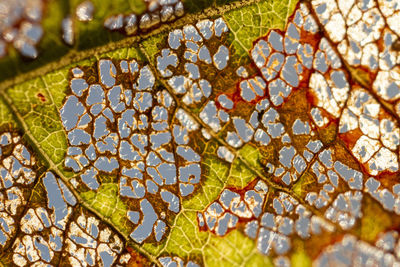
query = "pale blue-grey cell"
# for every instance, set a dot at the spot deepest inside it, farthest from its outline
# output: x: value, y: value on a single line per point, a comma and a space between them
x: 226, y: 198
x: 78, y: 85
x: 100, y: 127
x: 151, y: 187
x: 251, y: 229
x: 275, y: 62
x: 260, y: 53
x: 5, y: 140
x: 333, y: 178
x: 205, y: 87
x: 200, y: 219
x: 44, y: 250
x: 90, y: 152
x: 107, y: 72
x: 268, y: 220
x: 140, y: 142
x: 314, y: 146
x: 167, y: 156
x: 291, y: 44
x: 180, y: 134
x: 159, y: 230
x: 225, y: 101
x: 191, y: 34
x: 172, y: 200
x: 258, y: 85
x: 138, y: 188
x: 286, y: 155
x: 256, y: 200
x: 106, y: 258
x: 281, y: 244
x: 160, y: 126
x: 74, y: 151
x: 143, y: 122
x: 305, y: 53
x: 192, y: 171
x: 165, y: 60
x: 134, y: 216
x: 275, y: 129
x: 3, y: 238
x: 143, y: 101
x: 167, y: 262
x: 114, y: 97
x: 26, y: 49
x: 353, y: 177
x: 159, y: 139
x: 106, y: 164
x: 109, y: 143
x: 57, y: 241
x: 221, y: 57
x: 192, y: 70
x: 204, y: 54
x: 124, y: 66
x: 278, y: 90
x: 392, y: 90
x: 42, y: 215
x: 275, y: 39
x: 5, y: 177
x: 206, y: 28
x: 269, y: 116
x: 214, y: 208
x: 189, y: 56
x: 246, y: 91
x: 70, y: 112
x: 186, y: 189
x: 220, y: 27
x: 155, y: 175
x: 152, y: 159
x: 78, y: 137
x: 196, y: 93
x: 159, y: 113
x: 262, y: 137
x: 224, y: 221
x: 302, y: 226
x: 326, y: 158
x: 192, y: 46
x: 132, y: 172
x: 55, y: 199
x: 286, y: 226
x: 69, y: 197
x: 126, y: 123
x: 339, y: 79
x: 188, y: 154
x: 239, y: 208
x: 89, y: 259
x: 300, y: 127
x: 174, y: 39
x: 289, y: 72
x: 126, y: 152
x: 168, y: 173
x: 95, y: 95
x: 264, y: 240
x: 243, y: 129
x: 320, y: 62
x: 84, y: 120
x: 223, y: 116
x: 209, y: 116
x: 90, y: 178
x: 178, y: 84
x: 145, y: 229
x: 6, y: 227
x: 146, y: 79
x: 96, y: 109
x: 299, y: 164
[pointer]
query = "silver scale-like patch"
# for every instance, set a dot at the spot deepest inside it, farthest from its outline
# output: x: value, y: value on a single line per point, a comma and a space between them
x: 141, y: 143
x: 20, y: 26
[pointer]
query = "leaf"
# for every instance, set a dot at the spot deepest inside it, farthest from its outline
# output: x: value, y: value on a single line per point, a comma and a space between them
x: 255, y: 133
